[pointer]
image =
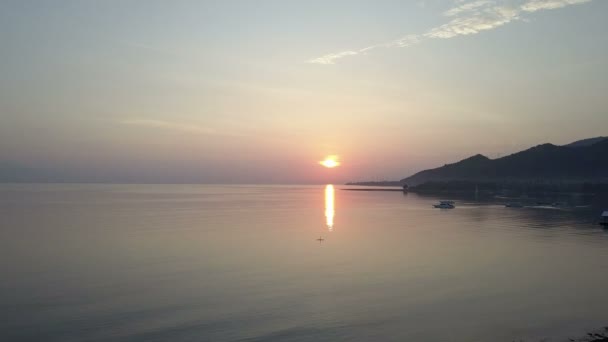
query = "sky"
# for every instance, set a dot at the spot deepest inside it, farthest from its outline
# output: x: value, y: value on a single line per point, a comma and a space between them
x: 260, y: 91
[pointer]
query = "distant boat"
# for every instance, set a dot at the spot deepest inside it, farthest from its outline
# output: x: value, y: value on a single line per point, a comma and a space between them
x: 320, y: 239
x: 604, y: 221
x: 553, y: 205
x: 445, y: 205
x: 514, y: 205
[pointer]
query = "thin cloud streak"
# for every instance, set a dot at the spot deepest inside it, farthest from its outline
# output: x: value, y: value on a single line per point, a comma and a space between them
x: 470, y: 17
x: 483, y: 20
x: 537, y: 5
x: 406, y: 41
x: 466, y: 7
x: 168, y: 125
x: 228, y: 132
x: 329, y: 58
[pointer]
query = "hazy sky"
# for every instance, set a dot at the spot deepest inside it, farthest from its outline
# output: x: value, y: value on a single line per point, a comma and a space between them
x: 260, y: 91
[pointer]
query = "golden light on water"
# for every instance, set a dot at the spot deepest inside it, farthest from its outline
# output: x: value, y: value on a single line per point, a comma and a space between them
x: 330, y: 162
x: 329, y: 206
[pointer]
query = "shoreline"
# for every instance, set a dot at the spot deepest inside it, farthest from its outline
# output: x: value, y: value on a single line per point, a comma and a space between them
x: 367, y: 189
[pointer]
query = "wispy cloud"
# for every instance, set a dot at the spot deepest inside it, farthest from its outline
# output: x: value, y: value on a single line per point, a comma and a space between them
x: 329, y: 58
x: 184, y: 127
x: 463, y: 7
x: 405, y: 41
x: 537, y: 5
x: 483, y: 19
x: 469, y: 17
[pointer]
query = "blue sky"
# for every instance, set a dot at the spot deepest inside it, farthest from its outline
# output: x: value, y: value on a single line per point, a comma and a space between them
x: 260, y: 91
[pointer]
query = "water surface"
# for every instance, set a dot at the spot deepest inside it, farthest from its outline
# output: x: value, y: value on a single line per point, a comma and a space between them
x: 243, y: 263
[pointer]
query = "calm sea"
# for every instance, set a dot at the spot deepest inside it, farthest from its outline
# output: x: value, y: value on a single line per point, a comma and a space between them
x: 243, y: 263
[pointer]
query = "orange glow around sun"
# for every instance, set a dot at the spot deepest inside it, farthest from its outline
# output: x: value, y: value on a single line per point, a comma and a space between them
x: 330, y: 162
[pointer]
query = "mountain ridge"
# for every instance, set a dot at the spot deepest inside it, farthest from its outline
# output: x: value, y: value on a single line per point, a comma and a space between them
x: 583, y: 160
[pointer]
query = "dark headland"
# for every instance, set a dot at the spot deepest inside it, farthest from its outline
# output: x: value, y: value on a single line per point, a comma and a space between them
x: 579, y: 167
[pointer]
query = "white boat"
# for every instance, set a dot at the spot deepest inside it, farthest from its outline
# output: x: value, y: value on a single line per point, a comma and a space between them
x: 445, y: 205
x: 604, y: 221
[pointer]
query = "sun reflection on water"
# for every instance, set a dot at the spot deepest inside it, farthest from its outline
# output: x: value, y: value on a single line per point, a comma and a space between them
x: 329, y: 206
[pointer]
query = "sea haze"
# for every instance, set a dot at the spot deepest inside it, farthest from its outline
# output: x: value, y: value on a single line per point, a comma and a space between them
x: 242, y: 263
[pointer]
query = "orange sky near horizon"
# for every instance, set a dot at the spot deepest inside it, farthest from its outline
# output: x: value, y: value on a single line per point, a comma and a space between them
x: 231, y: 92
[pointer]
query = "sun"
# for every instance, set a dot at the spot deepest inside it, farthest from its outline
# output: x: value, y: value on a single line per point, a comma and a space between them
x: 330, y: 162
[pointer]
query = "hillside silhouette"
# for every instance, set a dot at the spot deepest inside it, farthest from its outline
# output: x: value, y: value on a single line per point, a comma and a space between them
x: 581, y: 161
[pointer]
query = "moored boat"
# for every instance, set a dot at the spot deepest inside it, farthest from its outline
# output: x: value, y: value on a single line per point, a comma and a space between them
x: 445, y: 205
x: 604, y: 220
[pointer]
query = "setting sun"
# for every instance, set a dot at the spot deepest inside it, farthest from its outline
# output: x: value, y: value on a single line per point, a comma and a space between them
x: 330, y: 162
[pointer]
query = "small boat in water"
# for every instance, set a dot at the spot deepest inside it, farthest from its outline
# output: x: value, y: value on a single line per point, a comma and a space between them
x: 514, y: 205
x: 445, y: 205
x: 604, y: 221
